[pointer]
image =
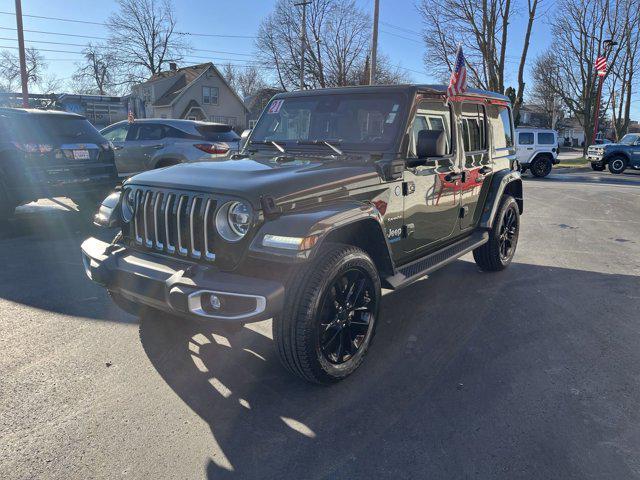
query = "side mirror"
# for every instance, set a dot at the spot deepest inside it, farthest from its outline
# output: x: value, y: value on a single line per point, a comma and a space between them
x: 431, y: 143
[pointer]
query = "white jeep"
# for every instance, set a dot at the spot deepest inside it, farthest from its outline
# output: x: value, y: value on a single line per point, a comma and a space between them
x: 537, y: 150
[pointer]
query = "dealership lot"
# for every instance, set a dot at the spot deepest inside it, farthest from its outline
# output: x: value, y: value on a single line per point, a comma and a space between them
x: 533, y: 372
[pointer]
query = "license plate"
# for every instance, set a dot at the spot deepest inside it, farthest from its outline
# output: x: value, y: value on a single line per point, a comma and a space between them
x: 81, y: 155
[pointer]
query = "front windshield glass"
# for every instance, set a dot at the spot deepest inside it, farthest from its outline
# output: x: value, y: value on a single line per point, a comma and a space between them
x: 630, y: 139
x: 354, y: 121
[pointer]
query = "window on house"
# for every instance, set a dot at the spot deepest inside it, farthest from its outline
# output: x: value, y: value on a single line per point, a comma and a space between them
x: 210, y: 95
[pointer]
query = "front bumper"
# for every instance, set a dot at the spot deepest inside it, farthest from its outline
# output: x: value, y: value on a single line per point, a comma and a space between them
x: 180, y: 287
x: 595, y: 160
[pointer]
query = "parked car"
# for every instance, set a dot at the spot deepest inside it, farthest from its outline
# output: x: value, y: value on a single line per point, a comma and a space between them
x: 537, y: 150
x: 146, y: 144
x: 47, y: 153
x: 338, y: 193
x: 617, y: 156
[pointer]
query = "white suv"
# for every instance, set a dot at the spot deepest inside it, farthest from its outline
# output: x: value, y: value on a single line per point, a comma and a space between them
x: 537, y: 150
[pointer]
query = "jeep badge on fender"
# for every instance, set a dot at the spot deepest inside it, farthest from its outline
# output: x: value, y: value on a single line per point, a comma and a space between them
x: 337, y: 194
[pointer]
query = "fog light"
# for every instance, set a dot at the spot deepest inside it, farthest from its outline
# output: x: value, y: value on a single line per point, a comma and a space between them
x: 214, y: 302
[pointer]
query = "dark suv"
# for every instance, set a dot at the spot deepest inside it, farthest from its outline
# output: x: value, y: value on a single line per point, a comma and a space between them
x: 337, y: 194
x: 618, y: 156
x: 49, y: 153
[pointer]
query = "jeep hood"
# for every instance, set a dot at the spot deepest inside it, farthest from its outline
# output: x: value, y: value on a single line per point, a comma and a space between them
x: 249, y: 178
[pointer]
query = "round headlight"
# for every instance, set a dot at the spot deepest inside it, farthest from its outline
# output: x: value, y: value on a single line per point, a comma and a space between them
x: 128, y: 205
x: 233, y: 220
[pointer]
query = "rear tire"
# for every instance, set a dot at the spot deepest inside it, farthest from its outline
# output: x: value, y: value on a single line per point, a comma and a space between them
x: 541, y: 167
x: 497, y: 253
x: 617, y: 165
x: 330, y: 314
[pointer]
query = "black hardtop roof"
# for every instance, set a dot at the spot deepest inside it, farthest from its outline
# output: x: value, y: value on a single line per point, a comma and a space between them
x: 406, y: 88
x: 36, y: 111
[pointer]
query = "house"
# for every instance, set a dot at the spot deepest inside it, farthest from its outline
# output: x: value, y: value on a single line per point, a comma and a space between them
x: 196, y: 92
x: 571, y: 132
x: 532, y: 115
x: 256, y: 103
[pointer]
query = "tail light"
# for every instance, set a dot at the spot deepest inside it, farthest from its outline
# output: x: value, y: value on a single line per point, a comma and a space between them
x: 33, y: 147
x: 212, y: 148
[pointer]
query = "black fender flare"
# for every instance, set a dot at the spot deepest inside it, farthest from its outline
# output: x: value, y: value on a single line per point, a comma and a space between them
x: 353, y: 222
x: 504, y: 181
x: 616, y: 153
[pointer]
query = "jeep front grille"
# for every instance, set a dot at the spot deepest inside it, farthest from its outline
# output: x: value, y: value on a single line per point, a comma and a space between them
x: 175, y: 223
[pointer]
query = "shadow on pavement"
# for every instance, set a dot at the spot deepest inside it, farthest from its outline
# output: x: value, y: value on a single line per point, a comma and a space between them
x: 42, y: 266
x: 470, y: 374
x: 628, y: 178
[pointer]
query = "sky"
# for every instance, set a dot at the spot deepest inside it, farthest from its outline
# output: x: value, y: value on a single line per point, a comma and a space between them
x: 399, y: 38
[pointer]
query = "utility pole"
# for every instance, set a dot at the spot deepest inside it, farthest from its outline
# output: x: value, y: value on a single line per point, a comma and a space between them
x: 303, y: 38
x: 23, y: 60
x: 374, y: 43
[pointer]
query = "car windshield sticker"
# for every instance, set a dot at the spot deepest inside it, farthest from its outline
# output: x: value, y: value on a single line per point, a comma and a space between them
x: 276, y: 106
x: 392, y: 115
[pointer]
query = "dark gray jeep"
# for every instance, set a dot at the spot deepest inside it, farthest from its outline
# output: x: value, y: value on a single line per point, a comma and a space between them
x: 617, y: 156
x: 337, y: 194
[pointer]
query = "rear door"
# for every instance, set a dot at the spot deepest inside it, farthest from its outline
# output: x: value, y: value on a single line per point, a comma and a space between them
x: 144, y: 140
x: 477, y: 166
x: 525, y: 146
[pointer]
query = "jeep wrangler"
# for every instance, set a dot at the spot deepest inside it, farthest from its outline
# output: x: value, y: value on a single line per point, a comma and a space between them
x: 537, y: 150
x: 617, y: 156
x: 337, y: 194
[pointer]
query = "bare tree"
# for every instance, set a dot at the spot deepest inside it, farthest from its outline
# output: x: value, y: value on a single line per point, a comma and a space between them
x: 481, y: 27
x: 579, y: 29
x: 245, y: 80
x: 96, y: 75
x: 337, y: 47
x: 532, y: 7
x: 10, y: 67
x: 143, y: 37
x: 543, y: 93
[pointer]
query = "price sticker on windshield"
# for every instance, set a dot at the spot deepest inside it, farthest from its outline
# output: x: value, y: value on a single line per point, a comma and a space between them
x: 276, y: 105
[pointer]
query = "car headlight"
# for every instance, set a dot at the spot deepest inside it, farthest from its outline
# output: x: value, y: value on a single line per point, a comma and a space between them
x: 233, y: 220
x: 128, y: 205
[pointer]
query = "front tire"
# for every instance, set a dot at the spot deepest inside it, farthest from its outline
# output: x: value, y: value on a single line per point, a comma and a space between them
x: 617, y: 165
x: 497, y: 253
x: 541, y: 167
x: 330, y: 314
x: 597, y: 168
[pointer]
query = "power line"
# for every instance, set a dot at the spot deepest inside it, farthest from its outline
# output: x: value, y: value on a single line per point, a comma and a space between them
x: 402, y: 29
x: 88, y: 22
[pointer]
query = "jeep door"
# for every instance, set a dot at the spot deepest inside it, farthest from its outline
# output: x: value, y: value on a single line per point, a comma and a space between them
x: 476, y: 163
x: 431, y: 184
x: 143, y: 143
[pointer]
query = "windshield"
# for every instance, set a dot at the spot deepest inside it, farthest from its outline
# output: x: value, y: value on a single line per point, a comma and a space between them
x: 630, y: 139
x: 355, y: 121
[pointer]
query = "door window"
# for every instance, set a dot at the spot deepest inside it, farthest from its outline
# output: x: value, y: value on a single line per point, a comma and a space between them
x: 116, y: 134
x: 147, y: 131
x: 474, y: 129
x: 430, y: 116
x: 546, y: 138
x: 525, y: 138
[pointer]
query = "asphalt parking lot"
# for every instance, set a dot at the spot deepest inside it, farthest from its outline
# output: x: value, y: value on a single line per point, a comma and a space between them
x: 533, y: 372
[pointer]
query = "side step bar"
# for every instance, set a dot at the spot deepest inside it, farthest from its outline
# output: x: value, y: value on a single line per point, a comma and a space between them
x: 425, y: 265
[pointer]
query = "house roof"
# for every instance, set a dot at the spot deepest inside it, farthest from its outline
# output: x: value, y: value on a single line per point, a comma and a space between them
x: 185, y: 76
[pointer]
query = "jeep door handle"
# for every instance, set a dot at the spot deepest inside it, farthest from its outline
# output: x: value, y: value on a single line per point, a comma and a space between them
x: 452, y: 177
x: 485, y: 170
x: 117, y: 147
x: 157, y: 147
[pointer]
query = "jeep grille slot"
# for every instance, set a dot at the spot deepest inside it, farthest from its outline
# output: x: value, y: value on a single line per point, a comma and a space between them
x: 175, y: 223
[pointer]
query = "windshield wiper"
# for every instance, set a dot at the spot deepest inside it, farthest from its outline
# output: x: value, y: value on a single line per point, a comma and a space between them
x: 269, y: 142
x: 323, y: 142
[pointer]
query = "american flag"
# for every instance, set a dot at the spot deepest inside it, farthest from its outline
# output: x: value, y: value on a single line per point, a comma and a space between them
x: 458, y: 80
x: 601, y: 66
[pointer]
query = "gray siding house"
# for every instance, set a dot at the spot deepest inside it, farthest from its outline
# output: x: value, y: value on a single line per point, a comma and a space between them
x: 197, y: 92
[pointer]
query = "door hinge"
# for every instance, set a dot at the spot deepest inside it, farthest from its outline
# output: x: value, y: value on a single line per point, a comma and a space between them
x: 407, y: 230
x: 408, y: 188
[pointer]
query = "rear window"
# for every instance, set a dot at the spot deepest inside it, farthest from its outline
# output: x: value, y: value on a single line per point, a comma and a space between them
x: 501, y: 122
x: 55, y: 129
x: 546, y: 138
x: 218, y: 133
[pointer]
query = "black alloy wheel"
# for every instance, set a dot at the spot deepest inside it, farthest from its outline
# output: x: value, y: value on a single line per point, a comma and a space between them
x: 347, y: 315
x: 617, y: 165
x: 508, y: 234
x: 541, y: 167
